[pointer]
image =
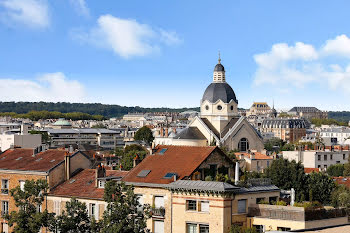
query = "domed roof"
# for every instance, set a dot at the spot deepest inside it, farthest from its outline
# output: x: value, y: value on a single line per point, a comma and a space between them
x: 62, y: 122
x: 219, y: 67
x: 222, y: 91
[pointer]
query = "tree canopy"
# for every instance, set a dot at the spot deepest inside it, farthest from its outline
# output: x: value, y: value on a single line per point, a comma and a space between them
x: 335, y: 170
x: 144, y: 134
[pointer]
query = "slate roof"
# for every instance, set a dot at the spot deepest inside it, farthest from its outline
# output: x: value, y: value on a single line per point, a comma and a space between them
x: 83, y: 185
x: 190, y: 133
x: 222, y: 91
x: 211, y: 127
x: 284, y: 123
x: 304, y: 109
x: 232, y: 122
x: 254, y: 189
x: 182, y: 160
x: 81, y: 131
x: 23, y: 160
x: 219, y: 67
x: 202, y: 185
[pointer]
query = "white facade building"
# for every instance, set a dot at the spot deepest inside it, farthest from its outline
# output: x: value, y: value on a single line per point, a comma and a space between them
x: 317, y: 159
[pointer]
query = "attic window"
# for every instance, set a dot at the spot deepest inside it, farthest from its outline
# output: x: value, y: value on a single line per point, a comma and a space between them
x: 19, y: 158
x: 169, y: 175
x: 39, y: 159
x: 143, y: 173
x: 162, y: 151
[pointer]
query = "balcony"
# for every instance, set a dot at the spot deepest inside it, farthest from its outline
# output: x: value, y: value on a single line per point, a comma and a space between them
x: 158, y: 212
x: 5, y: 191
x: 294, y: 213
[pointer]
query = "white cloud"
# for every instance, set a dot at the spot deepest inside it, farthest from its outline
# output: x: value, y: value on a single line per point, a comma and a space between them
x: 52, y: 87
x: 81, y: 7
x: 126, y: 37
x: 301, y: 65
x: 32, y: 13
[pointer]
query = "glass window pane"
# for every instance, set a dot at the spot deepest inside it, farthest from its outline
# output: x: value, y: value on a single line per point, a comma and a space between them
x: 205, y: 206
x: 191, y: 228
x: 204, y: 228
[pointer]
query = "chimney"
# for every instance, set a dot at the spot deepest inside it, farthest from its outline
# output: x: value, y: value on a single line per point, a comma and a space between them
x: 237, y: 173
x: 71, y: 149
x: 100, y: 172
x: 166, y: 132
x: 24, y: 129
x: 137, y: 160
x: 67, y: 165
x: 252, y: 156
x: 174, y: 130
x: 161, y: 132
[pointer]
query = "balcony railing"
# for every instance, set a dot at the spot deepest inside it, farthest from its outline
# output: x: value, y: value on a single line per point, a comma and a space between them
x: 5, y: 191
x: 3, y: 213
x: 159, y: 212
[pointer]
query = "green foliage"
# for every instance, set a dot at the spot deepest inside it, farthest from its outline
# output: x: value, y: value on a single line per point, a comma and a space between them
x: 123, y: 213
x: 341, y: 196
x: 286, y: 175
x: 318, y: 122
x: 28, y: 219
x: 284, y: 115
x: 274, y: 144
x: 308, y: 204
x: 335, y: 170
x: 134, y: 147
x: 99, y: 126
x: 347, y: 168
x: 90, y: 108
x: 221, y: 177
x: 251, y: 175
x: 240, y: 229
x: 127, y: 160
x: 144, y: 134
x: 340, y: 116
x: 74, y: 219
x: 320, y: 186
x: 264, y: 202
x: 288, y: 147
x: 208, y: 178
x: 44, y: 136
x: 282, y: 203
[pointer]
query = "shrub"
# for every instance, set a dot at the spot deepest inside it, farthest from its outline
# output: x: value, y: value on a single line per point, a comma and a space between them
x: 282, y: 203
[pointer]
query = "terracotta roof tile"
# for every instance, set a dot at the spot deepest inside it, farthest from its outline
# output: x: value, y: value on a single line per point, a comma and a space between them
x: 23, y: 159
x: 342, y: 180
x: 83, y: 185
x: 258, y: 155
x: 182, y: 160
x: 308, y: 170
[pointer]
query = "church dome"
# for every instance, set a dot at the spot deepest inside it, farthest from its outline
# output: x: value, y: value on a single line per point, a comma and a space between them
x: 219, y: 67
x: 222, y: 91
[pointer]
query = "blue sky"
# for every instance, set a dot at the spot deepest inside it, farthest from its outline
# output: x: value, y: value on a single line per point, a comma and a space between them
x: 162, y: 53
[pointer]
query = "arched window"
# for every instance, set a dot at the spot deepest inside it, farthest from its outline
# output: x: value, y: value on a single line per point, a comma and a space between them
x: 243, y: 144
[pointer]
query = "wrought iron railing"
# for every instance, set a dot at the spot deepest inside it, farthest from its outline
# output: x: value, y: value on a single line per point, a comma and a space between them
x: 160, y: 212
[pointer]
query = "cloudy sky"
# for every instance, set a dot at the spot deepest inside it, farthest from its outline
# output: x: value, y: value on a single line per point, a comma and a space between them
x: 162, y: 53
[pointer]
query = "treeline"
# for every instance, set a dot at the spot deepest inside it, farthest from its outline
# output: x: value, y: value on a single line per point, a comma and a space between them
x: 37, y: 115
x: 105, y: 110
x: 318, y: 122
x: 343, y: 116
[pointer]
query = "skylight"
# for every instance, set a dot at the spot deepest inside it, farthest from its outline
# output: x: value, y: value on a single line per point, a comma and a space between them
x: 39, y: 159
x: 169, y: 175
x: 162, y: 151
x: 72, y: 181
x: 143, y: 173
x: 19, y: 158
x: 53, y: 160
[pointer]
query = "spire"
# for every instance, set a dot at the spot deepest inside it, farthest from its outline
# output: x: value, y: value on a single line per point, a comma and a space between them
x: 219, y: 60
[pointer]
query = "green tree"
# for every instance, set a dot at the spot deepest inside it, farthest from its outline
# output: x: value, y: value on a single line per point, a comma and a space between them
x: 144, y: 134
x: 335, y: 170
x: 28, y: 218
x: 286, y: 175
x: 99, y: 126
x: 347, y: 168
x: 341, y: 196
x: 127, y: 160
x: 288, y: 147
x: 274, y: 144
x: 74, y: 219
x: 123, y: 214
x: 44, y: 135
x: 134, y: 147
x: 320, y: 187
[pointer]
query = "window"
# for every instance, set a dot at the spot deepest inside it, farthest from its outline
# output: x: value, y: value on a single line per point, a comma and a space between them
x: 92, y: 210
x: 242, y: 206
x: 5, y: 186
x: 259, y: 200
x: 231, y: 108
x: 21, y: 184
x: 206, y: 107
x: 158, y: 226
x: 101, y: 183
x: 259, y: 228
x: 158, y: 201
x: 191, y: 228
x: 38, y: 208
x: 319, y: 157
x: 319, y: 166
x: 325, y: 167
x: 337, y: 162
x: 191, y: 205
x: 331, y: 157
x: 57, y: 207
x: 204, y: 206
x: 283, y: 229
x: 272, y: 200
x: 325, y: 157
x: 344, y: 157
x: 219, y: 107
x: 4, y: 207
x: 203, y: 228
x: 243, y: 144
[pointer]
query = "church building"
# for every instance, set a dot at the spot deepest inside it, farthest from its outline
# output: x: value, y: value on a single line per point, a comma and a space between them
x: 219, y: 122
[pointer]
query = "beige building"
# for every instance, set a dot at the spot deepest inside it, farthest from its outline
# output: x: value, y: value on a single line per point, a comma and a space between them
x: 289, y: 130
x: 19, y: 165
x: 259, y: 108
x: 254, y: 161
x: 219, y: 122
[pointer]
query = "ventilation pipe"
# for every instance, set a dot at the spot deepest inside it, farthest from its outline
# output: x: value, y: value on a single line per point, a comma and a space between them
x: 292, y: 196
x: 237, y: 173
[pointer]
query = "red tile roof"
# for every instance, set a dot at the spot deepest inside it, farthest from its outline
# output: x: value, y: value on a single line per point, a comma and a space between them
x: 83, y: 185
x: 342, y: 180
x: 182, y: 160
x: 308, y: 170
x: 23, y: 160
x: 258, y: 155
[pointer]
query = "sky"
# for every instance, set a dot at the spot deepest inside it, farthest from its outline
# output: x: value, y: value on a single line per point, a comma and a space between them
x: 162, y: 53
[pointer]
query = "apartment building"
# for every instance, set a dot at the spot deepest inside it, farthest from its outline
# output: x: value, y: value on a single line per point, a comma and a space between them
x: 318, y: 158
x: 289, y: 130
x: 19, y: 165
x: 254, y: 161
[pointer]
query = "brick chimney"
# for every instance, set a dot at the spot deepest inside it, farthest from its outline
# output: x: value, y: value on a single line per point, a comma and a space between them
x: 137, y: 160
x: 166, y: 132
x: 161, y: 132
x: 100, y: 172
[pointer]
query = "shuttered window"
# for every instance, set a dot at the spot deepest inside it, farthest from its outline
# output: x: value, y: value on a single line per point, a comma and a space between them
x: 158, y: 226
